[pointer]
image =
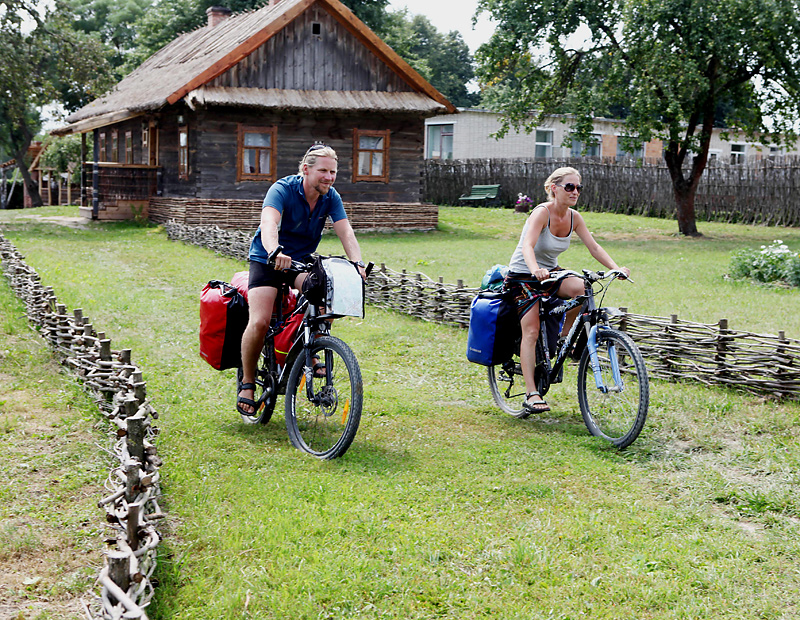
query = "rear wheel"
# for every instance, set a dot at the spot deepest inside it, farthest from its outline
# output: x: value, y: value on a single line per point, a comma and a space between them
x: 508, y: 387
x: 617, y: 412
x: 265, y: 394
x: 323, y: 412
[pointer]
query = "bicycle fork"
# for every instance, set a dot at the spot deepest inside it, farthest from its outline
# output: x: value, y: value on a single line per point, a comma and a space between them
x: 612, y: 359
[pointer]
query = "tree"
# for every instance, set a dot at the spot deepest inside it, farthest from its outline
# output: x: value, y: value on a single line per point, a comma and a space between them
x: 675, y: 66
x: 442, y: 59
x: 113, y: 22
x: 44, y: 60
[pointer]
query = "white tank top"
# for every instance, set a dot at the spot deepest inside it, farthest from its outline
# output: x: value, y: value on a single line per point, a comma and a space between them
x: 547, y: 249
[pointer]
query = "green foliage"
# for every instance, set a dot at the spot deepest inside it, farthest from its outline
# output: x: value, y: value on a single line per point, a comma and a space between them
x: 771, y: 263
x: 442, y: 59
x: 671, y: 67
x: 43, y: 60
x: 64, y: 154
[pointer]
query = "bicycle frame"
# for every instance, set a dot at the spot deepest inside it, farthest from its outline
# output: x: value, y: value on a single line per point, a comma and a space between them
x: 591, y: 318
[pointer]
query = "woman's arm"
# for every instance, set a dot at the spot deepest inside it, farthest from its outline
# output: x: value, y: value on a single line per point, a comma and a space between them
x: 595, y: 249
x: 538, y: 220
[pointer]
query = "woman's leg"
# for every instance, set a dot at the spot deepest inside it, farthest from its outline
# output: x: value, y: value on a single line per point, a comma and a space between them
x: 569, y: 289
x: 527, y: 352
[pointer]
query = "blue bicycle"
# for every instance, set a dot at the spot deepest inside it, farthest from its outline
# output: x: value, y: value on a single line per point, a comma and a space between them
x: 613, y: 389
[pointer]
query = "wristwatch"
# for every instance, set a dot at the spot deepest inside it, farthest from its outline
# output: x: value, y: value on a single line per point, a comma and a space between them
x: 361, y: 264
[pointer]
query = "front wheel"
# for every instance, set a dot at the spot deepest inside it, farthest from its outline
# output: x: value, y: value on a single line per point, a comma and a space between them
x: 617, y: 411
x: 323, y: 412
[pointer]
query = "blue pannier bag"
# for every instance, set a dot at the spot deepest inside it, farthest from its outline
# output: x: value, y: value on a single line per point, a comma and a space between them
x: 493, y: 329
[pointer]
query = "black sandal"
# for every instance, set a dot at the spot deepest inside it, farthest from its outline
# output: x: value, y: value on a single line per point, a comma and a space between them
x: 537, y: 406
x: 319, y: 370
x: 241, y: 400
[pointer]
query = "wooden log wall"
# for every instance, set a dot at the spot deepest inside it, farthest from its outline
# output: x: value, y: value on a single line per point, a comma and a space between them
x: 674, y: 350
x: 760, y: 192
x: 133, y: 486
x: 245, y: 215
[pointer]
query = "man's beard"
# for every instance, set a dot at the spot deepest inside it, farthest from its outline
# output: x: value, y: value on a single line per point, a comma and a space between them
x: 322, y: 189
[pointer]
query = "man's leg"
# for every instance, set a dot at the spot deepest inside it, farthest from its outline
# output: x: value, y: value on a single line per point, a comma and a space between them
x: 261, y: 301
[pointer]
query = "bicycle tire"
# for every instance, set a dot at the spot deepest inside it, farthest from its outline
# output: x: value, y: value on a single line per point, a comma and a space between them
x: 502, y: 381
x: 618, y: 415
x: 265, y: 395
x: 327, y: 428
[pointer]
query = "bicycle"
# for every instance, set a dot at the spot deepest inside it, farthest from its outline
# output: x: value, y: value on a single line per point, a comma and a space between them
x: 613, y: 388
x: 323, y: 400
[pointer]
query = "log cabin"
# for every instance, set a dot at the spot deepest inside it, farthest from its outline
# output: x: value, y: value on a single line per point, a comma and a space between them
x: 199, y: 131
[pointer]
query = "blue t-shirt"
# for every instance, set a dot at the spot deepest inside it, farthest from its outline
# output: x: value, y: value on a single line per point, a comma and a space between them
x: 300, y: 230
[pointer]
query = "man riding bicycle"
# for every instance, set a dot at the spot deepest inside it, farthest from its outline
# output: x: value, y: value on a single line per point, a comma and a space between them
x: 293, y: 215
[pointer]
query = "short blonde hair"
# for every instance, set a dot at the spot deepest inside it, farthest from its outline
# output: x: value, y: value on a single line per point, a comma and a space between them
x: 314, y: 152
x: 556, y: 177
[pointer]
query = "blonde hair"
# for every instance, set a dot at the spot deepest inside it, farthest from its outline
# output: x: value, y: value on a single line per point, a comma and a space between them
x: 556, y: 177
x: 316, y: 151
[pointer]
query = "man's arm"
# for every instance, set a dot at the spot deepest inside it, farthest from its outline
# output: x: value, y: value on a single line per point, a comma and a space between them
x: 270, y: 219
x: 344, y: 231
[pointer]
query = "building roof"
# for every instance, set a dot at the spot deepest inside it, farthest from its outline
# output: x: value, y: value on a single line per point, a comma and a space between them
x: 195, y: 58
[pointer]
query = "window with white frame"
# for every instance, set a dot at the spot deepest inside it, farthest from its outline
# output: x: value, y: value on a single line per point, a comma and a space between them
x: 544, y: 143
x: 590, y: 148
x: 440, y: 142
x: 738, y: 153
x: 628, y: 150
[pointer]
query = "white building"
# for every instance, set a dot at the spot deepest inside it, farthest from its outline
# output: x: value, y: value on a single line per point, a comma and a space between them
x: 468, y: 135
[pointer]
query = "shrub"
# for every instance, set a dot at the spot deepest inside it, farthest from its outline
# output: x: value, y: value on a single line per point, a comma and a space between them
x: 793, y: 271
x: 771, y: 263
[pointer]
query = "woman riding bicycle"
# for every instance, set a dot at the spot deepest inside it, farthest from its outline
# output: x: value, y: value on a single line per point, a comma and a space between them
x: 544, y: 237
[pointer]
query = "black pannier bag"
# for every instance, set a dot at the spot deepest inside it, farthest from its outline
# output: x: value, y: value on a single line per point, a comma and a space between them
x: 493, y: 329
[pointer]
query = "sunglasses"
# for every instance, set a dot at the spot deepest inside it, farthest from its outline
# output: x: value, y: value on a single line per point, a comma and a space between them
x: 316, y: 147
x: 571, y: 187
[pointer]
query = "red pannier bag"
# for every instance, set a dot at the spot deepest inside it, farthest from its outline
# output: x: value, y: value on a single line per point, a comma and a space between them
x: 284, y: 340
x: 223, y: 319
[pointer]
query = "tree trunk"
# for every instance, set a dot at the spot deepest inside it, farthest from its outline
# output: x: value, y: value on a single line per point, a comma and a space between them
x: 19, y: 155
x: 684, y: 201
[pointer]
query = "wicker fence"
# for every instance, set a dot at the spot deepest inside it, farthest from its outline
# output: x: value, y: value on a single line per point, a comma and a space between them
x: 246, y: 214
x: 711, y: 354
x: 131, y: 504
x: 762, y: 192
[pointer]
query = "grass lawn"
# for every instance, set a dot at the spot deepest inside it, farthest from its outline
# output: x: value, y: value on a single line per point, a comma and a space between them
x: 444, y: 507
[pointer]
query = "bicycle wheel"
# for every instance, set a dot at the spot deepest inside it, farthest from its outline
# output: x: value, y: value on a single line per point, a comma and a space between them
x: 508, y: 388
x: 322, y: 419
x: 264, y: 395
x: 619, y: 414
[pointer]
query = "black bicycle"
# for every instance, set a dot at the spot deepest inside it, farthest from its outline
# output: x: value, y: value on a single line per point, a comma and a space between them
x: 318, y: 373
x: 613, y: 389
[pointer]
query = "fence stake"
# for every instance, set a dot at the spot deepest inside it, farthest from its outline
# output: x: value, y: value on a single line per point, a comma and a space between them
x: 119, y: 566
x: 722, y: 348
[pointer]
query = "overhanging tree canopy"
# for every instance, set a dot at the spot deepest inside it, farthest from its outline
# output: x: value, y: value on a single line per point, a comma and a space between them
x: 674, y: 66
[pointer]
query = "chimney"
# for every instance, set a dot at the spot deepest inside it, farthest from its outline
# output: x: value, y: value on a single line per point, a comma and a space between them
x: 217, y: 15
x: 273, y: 2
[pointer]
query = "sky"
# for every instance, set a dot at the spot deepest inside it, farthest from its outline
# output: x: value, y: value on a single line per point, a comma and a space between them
x: 449, y: 15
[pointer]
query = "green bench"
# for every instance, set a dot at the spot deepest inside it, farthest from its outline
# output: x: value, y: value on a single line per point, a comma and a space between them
x: 482, y: 193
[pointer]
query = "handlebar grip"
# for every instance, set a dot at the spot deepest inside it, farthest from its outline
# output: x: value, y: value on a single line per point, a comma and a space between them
x: 368, y: 268
x: 274, y: 254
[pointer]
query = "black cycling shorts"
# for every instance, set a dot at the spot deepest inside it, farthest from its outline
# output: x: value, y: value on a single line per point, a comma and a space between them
x: 262, y: 274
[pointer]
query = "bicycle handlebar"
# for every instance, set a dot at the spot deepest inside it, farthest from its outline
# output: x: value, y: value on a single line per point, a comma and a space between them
x: 299, y: 266
x: 588, y: 275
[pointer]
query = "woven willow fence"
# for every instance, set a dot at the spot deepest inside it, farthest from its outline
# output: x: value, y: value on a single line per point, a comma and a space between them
x: 761, y: 192
x: 131, y: 504
x: 674, y: 349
